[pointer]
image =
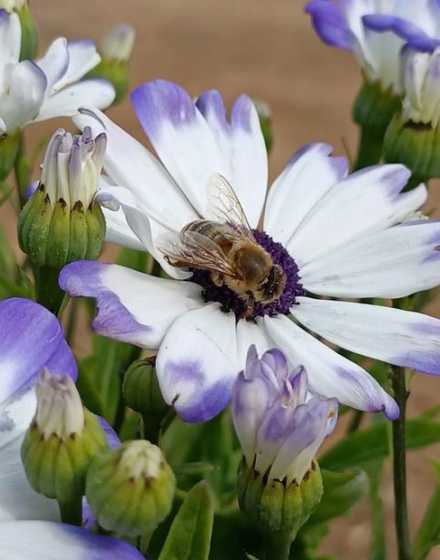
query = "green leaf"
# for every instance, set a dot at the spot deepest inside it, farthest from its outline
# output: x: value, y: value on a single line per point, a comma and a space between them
x: 364, y: 446
x: 190, y: 534
x: 137, y: 260
x: 428, y: 534
x: 341, y: 491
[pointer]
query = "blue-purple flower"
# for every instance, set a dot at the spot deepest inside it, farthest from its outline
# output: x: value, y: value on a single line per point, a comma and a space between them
x: 32, y: 340
x: 332, y: 234
x: 49, y: 87
x: 280, y: 425
x: 376, y: 30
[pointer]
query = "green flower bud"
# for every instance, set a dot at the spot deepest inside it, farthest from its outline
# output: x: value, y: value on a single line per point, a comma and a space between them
x: 62, y: 221
x: 115, y: 50
x: 9, y: 146
x: 62, y: 440
x: 130, y: 489
x: 277, y: 507
x: 265, y: 115
x: 141, y: 389
x: 416, y: 145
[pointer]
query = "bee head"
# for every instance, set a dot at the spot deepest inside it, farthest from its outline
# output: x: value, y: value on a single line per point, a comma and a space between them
x: 271, y: 288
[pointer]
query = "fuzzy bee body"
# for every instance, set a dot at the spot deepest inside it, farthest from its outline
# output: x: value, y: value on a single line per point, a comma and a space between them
x: 228, y: 250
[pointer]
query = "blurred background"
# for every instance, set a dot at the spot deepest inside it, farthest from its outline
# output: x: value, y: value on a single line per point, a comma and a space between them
x: 268, y: 50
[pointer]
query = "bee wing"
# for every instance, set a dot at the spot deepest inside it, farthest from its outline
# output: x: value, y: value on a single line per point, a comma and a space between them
x: 194, y: 250
x: 224, y: 206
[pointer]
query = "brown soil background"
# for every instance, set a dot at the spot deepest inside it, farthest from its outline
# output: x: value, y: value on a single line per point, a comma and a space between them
x: 266, y: 49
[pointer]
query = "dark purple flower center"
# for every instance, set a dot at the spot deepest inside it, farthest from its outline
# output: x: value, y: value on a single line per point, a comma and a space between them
x: 230, y: 301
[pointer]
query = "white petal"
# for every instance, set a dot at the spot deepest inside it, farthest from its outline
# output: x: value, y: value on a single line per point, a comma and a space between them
x: 365, y: 202
x: 83, y: 57
x: 248, y: 334
x: 306, y: 179
x: 249, y: 159
x: 393, y: 263
x: 181, y: 137
x: 55, y: 62
x: 66, y: 102
x: 328, y: 373
x: 25, y: 85
x: 197, y: 363
x: 43, y: 540
x: 131, y: 165
x: 119, y: 232
x: 399, y: 337
x: 10, y: 38
x: 132, y: 306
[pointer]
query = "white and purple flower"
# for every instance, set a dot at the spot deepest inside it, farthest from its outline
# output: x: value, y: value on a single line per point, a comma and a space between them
x: 31, y: 340
x: 333, y: 234
x: 376, y: 30
x: 49, y: 87
x: 280, y: 425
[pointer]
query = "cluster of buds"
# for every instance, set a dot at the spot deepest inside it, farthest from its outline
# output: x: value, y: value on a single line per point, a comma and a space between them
x: 280, y: 427
x: 115, y: 50
x: 62, y: 221
x: 61, y: 441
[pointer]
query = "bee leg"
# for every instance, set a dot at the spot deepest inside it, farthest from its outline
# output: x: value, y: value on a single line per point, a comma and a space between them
x: 217, y: 279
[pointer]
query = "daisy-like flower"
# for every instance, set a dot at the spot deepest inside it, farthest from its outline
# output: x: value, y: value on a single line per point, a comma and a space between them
x: 325, y: 232
x: 49, y: 87
x: 31, y: 340
x: 359, y: 25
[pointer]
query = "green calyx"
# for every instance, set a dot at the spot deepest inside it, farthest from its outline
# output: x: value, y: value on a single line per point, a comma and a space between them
x: 374, y: 108
x: 29, y: 34
x: 416, y: 145
x: 274, y: 507
x: 56, y: 467
x: 130, y: 489
x: 54, y: 234
x: 9, y: 147
x: 115, y: 72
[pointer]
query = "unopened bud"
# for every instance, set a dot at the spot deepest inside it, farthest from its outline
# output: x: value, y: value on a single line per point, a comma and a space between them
x: 130, y: 489
x: 62, y: 221
x: 61, y: 441
x: 276, y: 506
x: 141, y: 389
x: 115, y: 50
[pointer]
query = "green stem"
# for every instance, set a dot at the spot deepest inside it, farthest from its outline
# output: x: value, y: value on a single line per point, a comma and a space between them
x: 48, y: 291
x: 276, y: 546
x: 399, y: 465
x: 151, y: 427
x: 71, y: 511
x: 369, y: 150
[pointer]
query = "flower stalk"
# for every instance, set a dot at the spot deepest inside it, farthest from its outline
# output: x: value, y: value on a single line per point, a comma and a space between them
x: 399, y: 465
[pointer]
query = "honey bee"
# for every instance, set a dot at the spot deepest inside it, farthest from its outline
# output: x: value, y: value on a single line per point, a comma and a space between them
x: 226, y: 247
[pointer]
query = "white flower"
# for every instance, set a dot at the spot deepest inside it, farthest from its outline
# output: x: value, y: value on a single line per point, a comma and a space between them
x: 333, y: 234
x: 376, y: 30
x: 49, y: 87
